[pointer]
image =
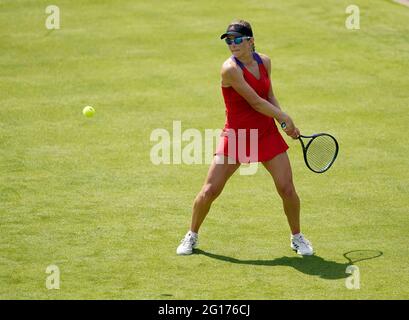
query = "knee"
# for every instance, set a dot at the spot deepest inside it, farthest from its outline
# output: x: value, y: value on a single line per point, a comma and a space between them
x: 209, y: 192
x: 286, y: 190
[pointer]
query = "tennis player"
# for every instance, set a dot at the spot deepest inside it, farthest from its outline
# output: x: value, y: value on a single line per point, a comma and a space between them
x: 250, y: 104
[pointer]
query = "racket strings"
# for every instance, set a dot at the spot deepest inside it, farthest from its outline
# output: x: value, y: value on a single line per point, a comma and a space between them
x: 321, y: 152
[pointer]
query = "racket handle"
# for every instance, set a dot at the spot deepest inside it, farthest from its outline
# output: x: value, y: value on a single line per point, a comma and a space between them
x: 283, y: 125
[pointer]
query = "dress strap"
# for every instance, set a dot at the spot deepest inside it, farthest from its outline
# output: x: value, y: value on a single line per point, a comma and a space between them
x: 255, y: 56
x: 240, y: 64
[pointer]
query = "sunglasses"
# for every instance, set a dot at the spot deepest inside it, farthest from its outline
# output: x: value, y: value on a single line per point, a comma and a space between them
x: 236, y: 40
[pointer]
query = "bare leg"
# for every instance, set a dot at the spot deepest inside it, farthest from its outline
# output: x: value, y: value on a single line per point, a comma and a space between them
x: 280, y: 169
x: 216, y: 179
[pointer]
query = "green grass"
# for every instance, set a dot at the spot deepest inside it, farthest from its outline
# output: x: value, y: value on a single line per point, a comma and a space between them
x: 83, y: 194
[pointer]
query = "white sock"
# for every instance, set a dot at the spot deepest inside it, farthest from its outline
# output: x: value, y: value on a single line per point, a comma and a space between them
x: 297, y: 235
x: 194, y: 234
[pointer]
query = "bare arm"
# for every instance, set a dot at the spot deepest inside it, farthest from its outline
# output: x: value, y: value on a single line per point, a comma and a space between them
x: 272, y: 98
x: 233, y: 77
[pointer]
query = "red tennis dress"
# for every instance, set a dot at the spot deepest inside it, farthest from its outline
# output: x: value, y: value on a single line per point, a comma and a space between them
x: 248, y: 135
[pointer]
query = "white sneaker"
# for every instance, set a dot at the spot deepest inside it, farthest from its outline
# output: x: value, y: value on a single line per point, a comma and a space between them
x: 188, y: 243
x: 301, y: 245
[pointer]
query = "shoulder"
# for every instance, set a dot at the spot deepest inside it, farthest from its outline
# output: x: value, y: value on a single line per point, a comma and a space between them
x: 266, y: 61
x: 265, y: 58
x: 229, y: 69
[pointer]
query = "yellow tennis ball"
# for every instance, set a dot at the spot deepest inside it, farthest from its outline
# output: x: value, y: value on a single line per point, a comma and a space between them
x: 88, y: 111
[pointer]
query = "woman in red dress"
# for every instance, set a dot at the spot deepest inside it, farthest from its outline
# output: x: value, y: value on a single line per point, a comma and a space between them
x: 250, y: 106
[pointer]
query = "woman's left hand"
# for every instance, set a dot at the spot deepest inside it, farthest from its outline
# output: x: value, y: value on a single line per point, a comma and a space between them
x: 295, y: 134
x: 289, y: 127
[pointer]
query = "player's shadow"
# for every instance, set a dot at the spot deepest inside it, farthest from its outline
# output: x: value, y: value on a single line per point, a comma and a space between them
x: 312, y: 265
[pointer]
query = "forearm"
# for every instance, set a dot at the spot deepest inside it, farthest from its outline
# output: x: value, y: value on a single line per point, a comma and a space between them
x: 291, y: 130
x: 269, y: 109
x: 273, y: 100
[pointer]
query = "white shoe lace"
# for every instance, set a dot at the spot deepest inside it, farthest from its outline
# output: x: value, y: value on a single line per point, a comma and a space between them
x: 188, y: 240
x: 303, y: 240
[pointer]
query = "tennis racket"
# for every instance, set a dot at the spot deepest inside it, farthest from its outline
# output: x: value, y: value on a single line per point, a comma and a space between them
x: 320, y: 150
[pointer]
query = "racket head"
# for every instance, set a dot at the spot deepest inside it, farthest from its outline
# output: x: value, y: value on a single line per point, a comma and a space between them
x: 320, y: 152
